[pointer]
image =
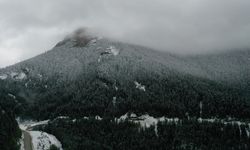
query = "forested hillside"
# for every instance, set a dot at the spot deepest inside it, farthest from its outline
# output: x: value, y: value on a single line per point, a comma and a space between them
x: 174, y: 96
x: 85, y: 76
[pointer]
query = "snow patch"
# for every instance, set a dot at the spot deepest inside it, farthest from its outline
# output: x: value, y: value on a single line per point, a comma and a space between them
x: 248, y: 130
x: 98, y: 118
x: 62, y: 117
x: 99, y: 58
x: 87, y: 118
x: 109, y: 51
x: 29, y: 124
x: 122, y: 118
x: 3, y: 77
x: 140, y: 86
x: 116, y: 88
x: 21, y: 76
x: 39, y: 123
x: 145, y: 121
x: 21, y: 143
x: 114, y: 101
x: 43, y: 140
x: 18, y: 76
x: 113, y: 50
x: 12, y: 96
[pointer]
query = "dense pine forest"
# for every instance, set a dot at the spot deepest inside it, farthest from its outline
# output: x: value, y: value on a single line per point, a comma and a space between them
x: 10, y: 133
x: 183, y: 135
x: 175, y: 96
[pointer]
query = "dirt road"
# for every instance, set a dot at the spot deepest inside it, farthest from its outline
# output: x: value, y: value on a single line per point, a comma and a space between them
x: 27, y: 141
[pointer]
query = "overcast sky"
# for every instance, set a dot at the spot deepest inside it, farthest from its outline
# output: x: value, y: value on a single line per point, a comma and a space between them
x: 30, y: 27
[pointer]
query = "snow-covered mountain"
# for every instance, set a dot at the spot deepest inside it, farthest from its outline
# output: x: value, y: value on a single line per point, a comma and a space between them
x: 76, y: 56
x: 100, y: 73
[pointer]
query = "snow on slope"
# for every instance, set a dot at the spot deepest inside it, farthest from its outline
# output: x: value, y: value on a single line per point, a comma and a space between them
x: 71, y: 61
x: 29, y: 124
x: 21, y: 143
x: 12, y: 96
x: 43, y: 141
x: 3, y: 77
x: 21, y: 76
x: 113, y: 50
x: 146, y: 121
x: 140, y: 86
x: 13, y: 75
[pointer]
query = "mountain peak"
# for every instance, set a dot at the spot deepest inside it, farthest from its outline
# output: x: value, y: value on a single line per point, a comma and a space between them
x: 79, y: 37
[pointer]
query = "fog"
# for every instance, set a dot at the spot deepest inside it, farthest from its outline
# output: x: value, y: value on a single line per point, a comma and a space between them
x: 31, y: 27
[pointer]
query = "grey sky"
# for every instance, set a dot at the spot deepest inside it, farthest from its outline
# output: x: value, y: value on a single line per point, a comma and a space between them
x: 30, y: 27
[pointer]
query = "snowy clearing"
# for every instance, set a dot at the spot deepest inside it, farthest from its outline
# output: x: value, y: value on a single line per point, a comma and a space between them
x: 43, y: 141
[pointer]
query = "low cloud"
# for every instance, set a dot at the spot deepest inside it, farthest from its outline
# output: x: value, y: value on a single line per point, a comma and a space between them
x: 31, y: 27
